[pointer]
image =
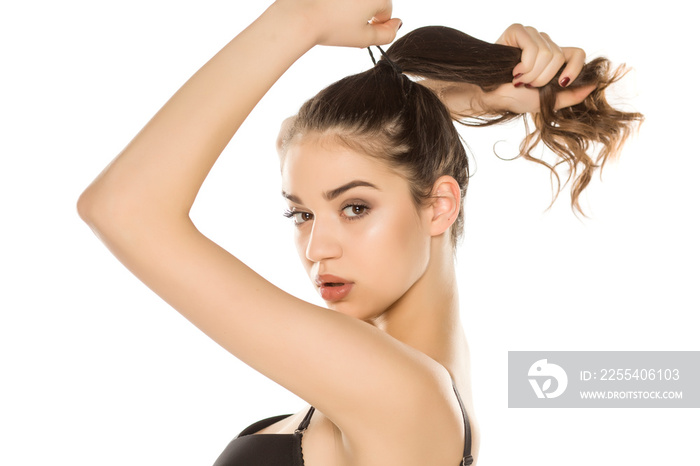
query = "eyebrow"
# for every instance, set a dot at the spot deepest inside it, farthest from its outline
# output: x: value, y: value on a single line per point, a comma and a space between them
x: 333, y: 193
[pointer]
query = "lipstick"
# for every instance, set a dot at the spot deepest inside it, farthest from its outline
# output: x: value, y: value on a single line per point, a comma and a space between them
x: 333, y: 288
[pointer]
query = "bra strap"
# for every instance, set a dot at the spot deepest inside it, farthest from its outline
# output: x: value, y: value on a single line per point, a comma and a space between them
x: 467, y: 458
x: 305, y: 422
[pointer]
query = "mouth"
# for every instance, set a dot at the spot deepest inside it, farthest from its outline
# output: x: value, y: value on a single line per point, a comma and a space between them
x: 332, y: 288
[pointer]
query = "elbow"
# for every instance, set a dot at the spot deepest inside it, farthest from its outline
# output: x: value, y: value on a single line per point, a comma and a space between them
x: 86, y: 205
x: 98, y: 209
x: 114, y: 213
x: 106, y: 218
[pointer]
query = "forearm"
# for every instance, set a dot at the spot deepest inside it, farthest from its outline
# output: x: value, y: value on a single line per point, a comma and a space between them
x: 160, y: 172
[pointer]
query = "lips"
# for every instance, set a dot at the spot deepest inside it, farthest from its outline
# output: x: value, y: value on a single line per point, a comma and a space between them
x: 333, y: 288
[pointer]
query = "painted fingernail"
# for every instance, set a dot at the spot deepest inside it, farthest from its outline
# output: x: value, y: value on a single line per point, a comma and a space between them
x: 517, y: 76
x: 400, y: 24
x: 529, y: 86
x: 518, y: 84
x: 564, y: 82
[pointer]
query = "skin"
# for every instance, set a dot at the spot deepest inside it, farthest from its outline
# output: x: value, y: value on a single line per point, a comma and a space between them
x: 541, y: 59
x: 362, y: 234
x: 400, y: 344
x: 468, y: 99
x: 408, y: 296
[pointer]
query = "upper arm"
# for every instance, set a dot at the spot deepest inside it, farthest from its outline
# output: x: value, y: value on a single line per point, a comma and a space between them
x: 327, y: 358
x: 139, y: 206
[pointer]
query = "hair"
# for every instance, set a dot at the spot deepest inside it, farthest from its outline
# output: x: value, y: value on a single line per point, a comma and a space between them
x: 386, y: 114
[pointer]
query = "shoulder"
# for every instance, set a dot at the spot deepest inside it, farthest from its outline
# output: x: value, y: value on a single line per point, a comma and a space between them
x: 423, y: 425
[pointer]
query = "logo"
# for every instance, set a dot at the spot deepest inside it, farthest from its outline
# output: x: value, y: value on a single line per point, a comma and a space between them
x: 544, y: 371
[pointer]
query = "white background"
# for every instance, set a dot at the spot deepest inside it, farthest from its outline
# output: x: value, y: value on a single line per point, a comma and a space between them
x: 95, y: 369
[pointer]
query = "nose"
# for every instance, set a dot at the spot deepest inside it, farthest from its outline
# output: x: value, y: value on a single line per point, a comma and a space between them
x: 323, y: 242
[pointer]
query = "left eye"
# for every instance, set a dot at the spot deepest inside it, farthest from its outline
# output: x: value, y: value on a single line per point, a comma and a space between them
x: 354, y: 210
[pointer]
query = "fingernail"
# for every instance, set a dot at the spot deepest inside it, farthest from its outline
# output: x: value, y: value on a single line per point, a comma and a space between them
x: 529, y: 86
x: 564, y: 82
x: 400, y: 24
x: 517, y: 76
x: 518, y: 84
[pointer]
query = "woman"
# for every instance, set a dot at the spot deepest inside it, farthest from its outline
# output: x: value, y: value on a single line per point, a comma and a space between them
x: 374, y: 174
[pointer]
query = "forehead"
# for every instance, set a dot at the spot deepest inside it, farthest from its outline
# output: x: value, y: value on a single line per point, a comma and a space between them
x: 323, y: 162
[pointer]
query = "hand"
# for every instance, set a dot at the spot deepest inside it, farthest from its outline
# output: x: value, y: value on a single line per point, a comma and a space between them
x: 527, y: 100
x: 541, y: 58
x: 540, y: 62
x: 348, y: 23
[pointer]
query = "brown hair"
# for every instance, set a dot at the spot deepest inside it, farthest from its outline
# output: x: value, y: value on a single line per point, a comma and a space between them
x: 384, y: 113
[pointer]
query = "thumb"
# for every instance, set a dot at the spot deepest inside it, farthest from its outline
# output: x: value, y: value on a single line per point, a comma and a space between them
x: 572, y: 97
x: 383, y: 33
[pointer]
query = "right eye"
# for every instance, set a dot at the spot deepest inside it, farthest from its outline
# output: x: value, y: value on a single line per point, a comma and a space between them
x: 299, y: 217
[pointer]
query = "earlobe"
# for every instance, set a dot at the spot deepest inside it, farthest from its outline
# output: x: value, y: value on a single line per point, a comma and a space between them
x: 446, y: 199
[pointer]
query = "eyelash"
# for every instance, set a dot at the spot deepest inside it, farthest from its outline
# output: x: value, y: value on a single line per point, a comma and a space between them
x: 365, y: 210
x: 292, y: 213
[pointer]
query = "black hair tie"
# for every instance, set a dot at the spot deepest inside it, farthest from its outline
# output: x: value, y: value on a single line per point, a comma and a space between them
x: 386, y: 59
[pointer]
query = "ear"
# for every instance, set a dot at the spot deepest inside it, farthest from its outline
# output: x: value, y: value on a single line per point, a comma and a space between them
x: 446, y: 200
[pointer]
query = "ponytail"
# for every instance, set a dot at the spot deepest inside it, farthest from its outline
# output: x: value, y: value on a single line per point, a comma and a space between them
x: 384, y: 114
x: 583, y: 137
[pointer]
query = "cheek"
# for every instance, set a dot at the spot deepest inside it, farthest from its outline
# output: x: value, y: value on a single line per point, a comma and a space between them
x: 396, y: 249
x: 300, y: 241
x: 394, y: 236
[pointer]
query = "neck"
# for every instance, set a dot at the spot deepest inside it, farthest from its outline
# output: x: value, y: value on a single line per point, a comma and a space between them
x: 427, y: 316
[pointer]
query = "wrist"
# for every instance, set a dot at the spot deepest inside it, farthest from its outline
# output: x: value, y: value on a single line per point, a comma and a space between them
x: 461, y: 99
x: 300, y: 23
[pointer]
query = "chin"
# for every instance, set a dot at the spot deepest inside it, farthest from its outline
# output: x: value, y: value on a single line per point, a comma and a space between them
x: 360, y: 312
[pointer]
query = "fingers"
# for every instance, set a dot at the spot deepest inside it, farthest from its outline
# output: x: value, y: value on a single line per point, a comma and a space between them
x: 518, y: 100
x: 572, y: 97
x: 521, y: 37
x: 350, y: 23
x: 381, y: 33
x: 536, y: 51
x: 575, y: 59
x: 522, y: 100
x: 541, y: 58
x: 540, y: 61
x: 383, y: 15
x: 540, y: 55
x: 382, y: 28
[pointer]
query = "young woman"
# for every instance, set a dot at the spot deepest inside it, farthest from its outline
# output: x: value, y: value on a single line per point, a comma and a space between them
x: 374, y: 174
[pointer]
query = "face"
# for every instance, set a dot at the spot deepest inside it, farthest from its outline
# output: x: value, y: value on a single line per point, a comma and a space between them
x: 360, y: 236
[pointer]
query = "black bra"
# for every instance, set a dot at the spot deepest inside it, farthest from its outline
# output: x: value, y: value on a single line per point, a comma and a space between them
x: 285, y: 449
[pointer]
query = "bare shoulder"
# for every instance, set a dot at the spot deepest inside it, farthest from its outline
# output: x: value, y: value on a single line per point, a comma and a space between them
x: 426, y: 430
x: 425, y: 426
